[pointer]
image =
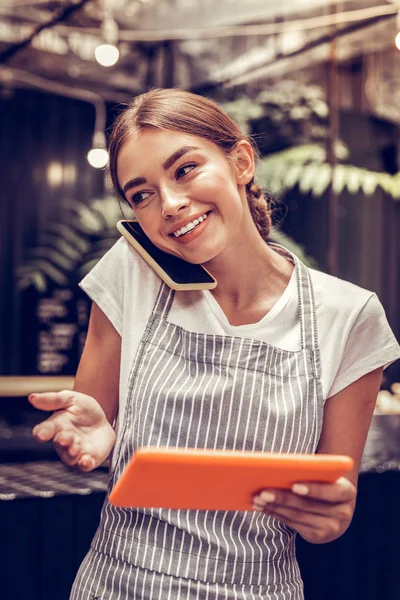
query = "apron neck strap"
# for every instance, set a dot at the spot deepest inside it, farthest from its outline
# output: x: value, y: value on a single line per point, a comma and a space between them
x: 163, y: 301
x: 306, y: 301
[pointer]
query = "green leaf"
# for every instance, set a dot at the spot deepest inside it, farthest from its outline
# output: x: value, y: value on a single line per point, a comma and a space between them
x: 353, y: 179
x: 76, y: 238
x: 45, y: 267
x: 339, y: 178
x: 49, y: 253
x: 369, y: 183
x: 308, y: 178
x: 36, y: 279
x: 298, y: 154
x: 322, y: 181
x: 292, y: 176
x: 50, y: 240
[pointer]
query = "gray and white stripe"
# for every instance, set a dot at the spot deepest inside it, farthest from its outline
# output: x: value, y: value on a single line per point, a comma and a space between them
x: 218, y: 392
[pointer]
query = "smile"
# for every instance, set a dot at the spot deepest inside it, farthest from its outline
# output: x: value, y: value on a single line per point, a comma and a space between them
x: 190, y: 226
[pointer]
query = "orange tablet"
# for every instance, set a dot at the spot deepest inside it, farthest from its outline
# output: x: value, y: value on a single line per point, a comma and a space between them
x: 216, y: 479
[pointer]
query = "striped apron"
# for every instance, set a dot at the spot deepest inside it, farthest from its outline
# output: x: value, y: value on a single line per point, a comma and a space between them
x: 210, y: 391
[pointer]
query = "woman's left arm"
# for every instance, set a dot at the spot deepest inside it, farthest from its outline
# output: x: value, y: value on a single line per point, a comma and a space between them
x: 321, y: 512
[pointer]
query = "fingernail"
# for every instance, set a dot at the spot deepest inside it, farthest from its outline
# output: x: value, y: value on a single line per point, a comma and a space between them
x: 38, y: 433
x: 301, y: 489
x: 268, y: 497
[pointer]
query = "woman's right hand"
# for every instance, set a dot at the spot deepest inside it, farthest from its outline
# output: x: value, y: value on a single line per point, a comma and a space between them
x: 80, y: 431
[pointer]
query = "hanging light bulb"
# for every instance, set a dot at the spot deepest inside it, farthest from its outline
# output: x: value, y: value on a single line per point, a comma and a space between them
x: 397, y: 38
x: 107, y: 53
x: 98, y: 155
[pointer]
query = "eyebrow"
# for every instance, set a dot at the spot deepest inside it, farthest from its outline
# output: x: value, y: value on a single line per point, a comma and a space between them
x: 166, y: 165
x: 177, y: 155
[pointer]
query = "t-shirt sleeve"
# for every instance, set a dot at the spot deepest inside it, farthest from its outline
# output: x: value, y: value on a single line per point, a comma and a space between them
x: 370, y: 344
x: 105, y: 284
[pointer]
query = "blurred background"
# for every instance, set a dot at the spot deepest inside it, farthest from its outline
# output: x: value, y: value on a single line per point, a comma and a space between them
x: 317, y: 83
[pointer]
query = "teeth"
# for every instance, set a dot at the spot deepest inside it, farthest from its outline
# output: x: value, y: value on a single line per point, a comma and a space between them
x: 190, y: 226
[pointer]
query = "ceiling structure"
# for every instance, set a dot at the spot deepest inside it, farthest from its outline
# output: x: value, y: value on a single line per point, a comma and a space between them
x: 195, y: 44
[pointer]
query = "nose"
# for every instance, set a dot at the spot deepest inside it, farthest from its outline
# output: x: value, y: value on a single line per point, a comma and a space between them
x: 172, y: 201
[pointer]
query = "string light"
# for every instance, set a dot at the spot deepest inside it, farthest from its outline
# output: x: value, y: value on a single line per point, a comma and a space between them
x: 397, y: 38
x: 98, y: 155
x: 107, y: 53
x: 340, y: 18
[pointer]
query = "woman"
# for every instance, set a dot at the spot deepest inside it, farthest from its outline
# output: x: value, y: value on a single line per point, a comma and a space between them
x: 277, y: 358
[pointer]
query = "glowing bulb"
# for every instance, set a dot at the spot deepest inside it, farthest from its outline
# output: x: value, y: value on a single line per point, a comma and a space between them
x: 106, y: 55
x: 397, y: 41
x: 97, y: 157
x: 55, y: 174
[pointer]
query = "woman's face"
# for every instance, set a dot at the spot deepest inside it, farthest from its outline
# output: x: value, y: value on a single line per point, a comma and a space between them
x: 187, y: 195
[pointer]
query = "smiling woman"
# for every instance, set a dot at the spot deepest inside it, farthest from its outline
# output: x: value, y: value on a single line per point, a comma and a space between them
x: 277, y: 358
x: 188, y: 114
x: 187, y: 182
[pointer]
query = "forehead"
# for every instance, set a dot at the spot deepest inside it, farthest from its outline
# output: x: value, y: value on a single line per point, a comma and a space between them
x: 146, y: 149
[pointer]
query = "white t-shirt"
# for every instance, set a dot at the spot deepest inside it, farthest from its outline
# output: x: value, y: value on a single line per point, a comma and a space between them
x: 353, y: 332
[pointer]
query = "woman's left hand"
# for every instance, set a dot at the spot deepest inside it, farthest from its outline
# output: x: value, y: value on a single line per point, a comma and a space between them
x: 319, y: 512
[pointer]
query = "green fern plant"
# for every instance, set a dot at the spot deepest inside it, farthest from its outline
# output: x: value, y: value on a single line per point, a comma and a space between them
x: 69, y: 247
x: 294, y: 122
x: 306, y: 167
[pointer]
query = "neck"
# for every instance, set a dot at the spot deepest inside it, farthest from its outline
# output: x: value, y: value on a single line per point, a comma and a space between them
x: 249, y: 273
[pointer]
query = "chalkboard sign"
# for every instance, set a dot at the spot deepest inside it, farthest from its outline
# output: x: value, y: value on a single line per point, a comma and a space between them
x: 54, y: 330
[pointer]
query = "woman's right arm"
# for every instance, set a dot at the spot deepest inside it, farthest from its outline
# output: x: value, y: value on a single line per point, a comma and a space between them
x: 98, y: 371
x: 81, y: 424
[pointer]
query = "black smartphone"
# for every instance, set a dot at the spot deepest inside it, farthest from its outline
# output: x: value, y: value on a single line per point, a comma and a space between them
x: 176, y: 272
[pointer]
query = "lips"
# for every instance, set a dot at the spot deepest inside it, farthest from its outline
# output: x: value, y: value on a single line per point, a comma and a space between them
x: 191, y: 233
x: 188, y: 225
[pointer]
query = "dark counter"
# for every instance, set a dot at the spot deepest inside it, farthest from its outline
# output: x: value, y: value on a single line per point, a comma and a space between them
x: 49, y: 515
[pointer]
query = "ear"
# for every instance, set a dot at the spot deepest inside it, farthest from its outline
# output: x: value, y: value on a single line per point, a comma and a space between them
x: 243, y: 162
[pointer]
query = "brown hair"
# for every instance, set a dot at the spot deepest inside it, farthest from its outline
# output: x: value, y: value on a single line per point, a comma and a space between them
x: 177, y: 110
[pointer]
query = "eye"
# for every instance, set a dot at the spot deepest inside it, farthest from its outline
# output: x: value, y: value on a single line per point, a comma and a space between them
x: 184, y: 170
x: 139, y: 197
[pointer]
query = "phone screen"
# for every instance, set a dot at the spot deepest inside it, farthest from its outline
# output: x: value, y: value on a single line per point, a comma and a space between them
x: 177, y: 269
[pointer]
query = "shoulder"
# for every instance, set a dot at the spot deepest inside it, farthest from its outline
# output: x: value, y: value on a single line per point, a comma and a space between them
x: 120, y: 264
x: 355, y: 337
x: 336, y: 297
x: 122, y: 284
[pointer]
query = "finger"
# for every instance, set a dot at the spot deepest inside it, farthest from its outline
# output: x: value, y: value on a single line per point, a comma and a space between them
x: 340, y: 491
x: 46, y: 430
x: 294, y: 517
x: 316, y: 528
x: 52, y: 400
x: 86, y: 463
x: 68, y: 447
x: 280, y: 499
x: 64, y: 455
x: 69, y: 443
x: 269, y: 499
